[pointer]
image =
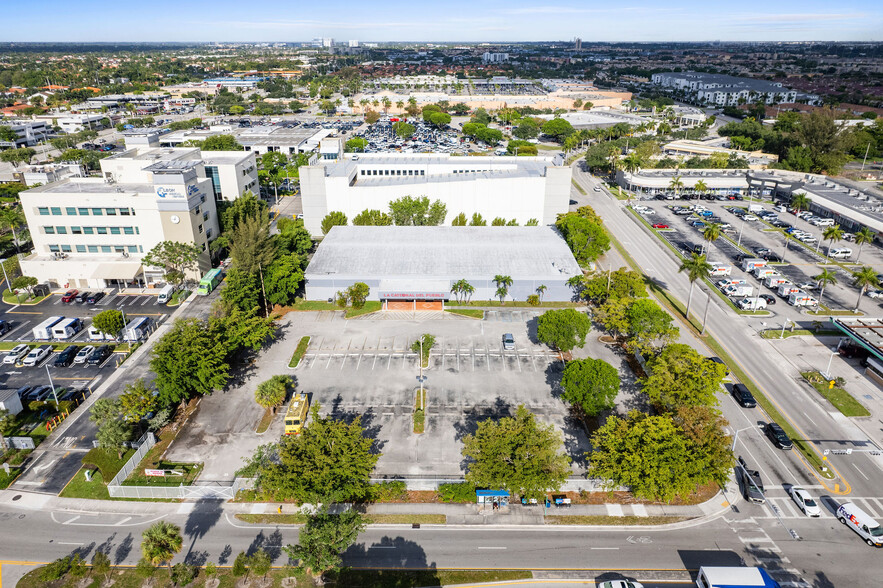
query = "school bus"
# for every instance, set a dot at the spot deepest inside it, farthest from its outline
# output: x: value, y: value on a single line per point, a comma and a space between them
x: 296, y: 415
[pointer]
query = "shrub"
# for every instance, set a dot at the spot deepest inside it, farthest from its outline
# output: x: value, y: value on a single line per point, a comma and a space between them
x: 388, y: 491
x: 456, y: 492
x: 183, y: 574
x: 55, y: 570
x: 533, y: 300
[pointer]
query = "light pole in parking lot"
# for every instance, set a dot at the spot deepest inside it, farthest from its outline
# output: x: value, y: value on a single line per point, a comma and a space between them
x: 5, y: 277
x: 827, y: 373
x: 785, y: 324
x: 54, y: 391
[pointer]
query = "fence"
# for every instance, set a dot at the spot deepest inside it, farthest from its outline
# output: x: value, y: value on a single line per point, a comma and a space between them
x: 20, y: 442
x: 203, y: 491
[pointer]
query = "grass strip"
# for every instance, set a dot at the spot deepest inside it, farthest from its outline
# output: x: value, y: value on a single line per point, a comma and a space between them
x: 578, y: 187
x: 372, y: 519
x: 470, y: 312
x: 299, y: 351
x: 10, y: 298
x: 266, y: 421
x: 840, y: 398
x: 419, y: 411
x: 777, y: 333
x: 514, y: 304
x: 369, y: 307
x: 608, y: 520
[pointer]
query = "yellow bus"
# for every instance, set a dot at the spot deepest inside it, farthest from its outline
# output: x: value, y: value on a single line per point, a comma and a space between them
x: 297, y: 414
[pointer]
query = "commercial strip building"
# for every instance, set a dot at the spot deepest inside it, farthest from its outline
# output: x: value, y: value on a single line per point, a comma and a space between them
x: 866, y: 332
x: 93, y: 232
x: 414, y: 268
x: 597, y: 119
x: 724, y: 90
x: 690, y: 148
x: 520, y: 188
x: 259, y: 138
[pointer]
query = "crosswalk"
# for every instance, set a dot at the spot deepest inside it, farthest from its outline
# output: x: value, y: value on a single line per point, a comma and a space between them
x: 788, y: 509
x: 766, y: 553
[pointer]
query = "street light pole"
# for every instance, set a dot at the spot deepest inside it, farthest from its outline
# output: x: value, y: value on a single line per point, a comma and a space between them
x: 54, y: 391
x: 5, y: 277
x: 827, y: 372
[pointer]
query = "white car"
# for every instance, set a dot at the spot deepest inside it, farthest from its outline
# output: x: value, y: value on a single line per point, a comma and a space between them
x: 16, y: 353
x: 875, y: 293
x: 37, y: 355
x: 749, y: 217
x: 620, y: 584
x: 808, y: 286
x: 83, y: 354
x: 805, y: 502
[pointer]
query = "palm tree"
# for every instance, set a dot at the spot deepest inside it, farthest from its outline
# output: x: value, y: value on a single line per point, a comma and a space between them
x: 613, y: 157
x: 700, y: 187
x: 400, y: 104
x: 161, y: 542
x: 800, y: 202
x: 832, y: 234
x: 711, y: 233
x: 460, y: 288
x: 503, y: 283
x: 541, y: 289
x: 696, y: 267
x: 676, y: 184
x: 863, y: 279
x: 10, y: 218
x: 826, y: 278
x: 862, y: 236
x: 468, y: 291
x: 632, y: 162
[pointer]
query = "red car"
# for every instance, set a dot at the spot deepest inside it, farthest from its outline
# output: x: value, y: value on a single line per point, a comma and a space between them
x: 660, y: 226
x: 69, y: 296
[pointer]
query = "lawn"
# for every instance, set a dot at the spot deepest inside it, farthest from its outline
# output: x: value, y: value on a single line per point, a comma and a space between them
x: 299, y: 352
x: 314, y: 305
x: 470, y: 312
x: 578, y: 187
x: 11, y: 298
x: 840, y: 398
x: 376, y: 519
x: 78, y: 487
x: 178, y: 297
x: 515, y: 304
x: 419, y: 411
x: 266, y: 421
x: 351, y: 578
x: 557, y: 519
x: 189, y: 472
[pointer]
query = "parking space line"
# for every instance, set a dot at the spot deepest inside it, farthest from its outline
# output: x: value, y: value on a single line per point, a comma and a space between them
x: 329, y: 361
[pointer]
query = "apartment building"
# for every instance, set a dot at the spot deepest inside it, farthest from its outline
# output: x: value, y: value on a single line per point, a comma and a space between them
x: 94, y: 232
x: 724, y: 90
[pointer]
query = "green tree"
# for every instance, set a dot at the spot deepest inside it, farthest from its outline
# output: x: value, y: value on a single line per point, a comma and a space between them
x: 676, y: 185
x: 220, y: 143
x: 110, y: 322
x: 862, y: 236
x: 240, y: 565
x: 489, y: 136
x: 330, y: 461
x: 477, y: 220
x: 113, y: 434
x: 7, y: 134
x: 410, y: 211
x: 373, y: 218
x: 175, y: 258
x: 356, y: 144
x: 697, y: 267
x: 832, y: 235
x: 590, y: 385
x: 403, y: 130
x: 357, y: 294
x: 649, y: 326
x: 293, y: 237
x: 12, y: 218
x: 563, y: 329
x: 863, y: 279
x: 459, y: 220
x: 137, y: 401
x: 235, y: 330
x: 710, y: 234
x: 241, y: 289
x: 251, y: 247
x: 825, y: 279
x: 503, y: 283
x: 101, y: 565
x: 800, y: 201
x: 516, y: 454
x: 17, y: 156
x: 183, y: 574
x: 261, y: 563
x: 187, y: 360
x: 105, y: 409
x: 272, y: 393
x: 679, y: 376
x: 246, y: 206
x: 372, y: 117
x: 527, y: 129
x: 333, y: 219
x: 283, y: 279
x: 558, y: 128
x: 25, y: 283
x: 498, y: 222
x: 622, y: 283
x: 160, y: 542
x: 587, y: 239
x: 324, y: 538
x: 440, y: 119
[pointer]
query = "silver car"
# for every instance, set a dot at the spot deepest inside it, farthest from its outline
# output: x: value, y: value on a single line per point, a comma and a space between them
x: 84, y: 354
x: 508, y: 342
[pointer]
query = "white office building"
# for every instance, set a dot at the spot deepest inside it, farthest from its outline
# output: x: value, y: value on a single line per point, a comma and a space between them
x: 520, y: 188
x: 30, y: 132
x: 93, y: 232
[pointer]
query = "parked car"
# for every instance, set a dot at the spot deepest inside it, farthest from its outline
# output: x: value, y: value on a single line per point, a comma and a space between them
x: 771, y: 257
x: 84, y: 353
x: 82, y: 297
x: 37, y: 355
x: 98, y: 356
x: 874, y: 293
x: 66, y: 357
x: 5, y: 327
x: 69, y: 296
x: 508, y: 342
x: 95, y: 298
x: 778, y: 436
x: 804, y: 501
x: 660, y: 226
x: 743, y: 396
x: 770, y: 300
x: 16, y: 353
x: 36, y: 392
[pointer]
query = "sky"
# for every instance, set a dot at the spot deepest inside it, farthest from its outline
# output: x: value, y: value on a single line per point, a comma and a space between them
x: 457, y: 20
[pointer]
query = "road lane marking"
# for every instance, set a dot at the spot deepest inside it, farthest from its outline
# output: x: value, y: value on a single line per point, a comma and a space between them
x: 492, y: 548
x: 861, y: 472
x: 604, y: 548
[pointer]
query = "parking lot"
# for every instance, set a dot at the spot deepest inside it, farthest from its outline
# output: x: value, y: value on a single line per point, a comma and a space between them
x: 800, y: 262
x: 381, y: 138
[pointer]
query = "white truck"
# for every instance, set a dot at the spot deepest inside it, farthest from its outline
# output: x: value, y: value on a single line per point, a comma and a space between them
x: 734, y: 577
x: 785, y: 290
x: 755, y: 303
x: 720, y: 269
x: 96, y: 335
x: 726, y: 282
x: 774, y: 281
x: 67, y: 328
x: 801, y: 298
x: 749, y: 263
x: 765, y: 271
x: 138, y: 329
x: 738, y: 291
x: 43, y: 331
x: 755, y: 208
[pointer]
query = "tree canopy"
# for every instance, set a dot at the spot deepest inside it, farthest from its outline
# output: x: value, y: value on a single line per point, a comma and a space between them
x: 418, y: 211
x: 174, y: 257
x: 324, y: 538
x: 679, y: 376
x: 563, y: 329
x: 590, y: 384
x: 586, y: 238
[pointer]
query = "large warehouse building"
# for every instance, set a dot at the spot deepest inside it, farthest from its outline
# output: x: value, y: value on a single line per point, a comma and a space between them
x: 520, y: 188
x: 414, y: 268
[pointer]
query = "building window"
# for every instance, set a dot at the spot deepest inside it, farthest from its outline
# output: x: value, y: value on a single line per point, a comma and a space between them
x: 81, y: 249
x: 105, y: 249
x: 128, y: 230
x: 199, y: 228
x: 71, y: 211
x: 124, y: 212
x: 54, y: 248
x: 66, y: 248
x: 101, y: 230
x: 211, y: 171
x: 83, y: 211
x: 97, y: 212
x: 115, y: 230
x: 43, y: 210
x: 88, y: 231
x: 133, y: 249
x: 56, y: 211
x: 205, y: 215
x: 111, y: 211
x: 119, y: 249
x: 93, y: 248
x: 76, y: 231
x: 61, y: 230
x: 49, y: 230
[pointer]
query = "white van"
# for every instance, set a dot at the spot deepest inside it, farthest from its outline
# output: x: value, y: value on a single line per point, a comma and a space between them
x: 719, y: 577
x: 165, y: 294
x: 840, y: 252
x: 860, y: 522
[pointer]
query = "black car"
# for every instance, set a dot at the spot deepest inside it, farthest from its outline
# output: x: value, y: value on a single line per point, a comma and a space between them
x: 4, y: 327
x: 35, y: 392
x: 69, y: 395
x: 99, y: 355
x: 769, y: 299
x: 82, y: 297
x: 23, y: 392
x: 720, y: 361
x: 743, y: 396
x: 772, y: 258
x: 66, y: 357
x: 778, y: 436
x: 95, y: 298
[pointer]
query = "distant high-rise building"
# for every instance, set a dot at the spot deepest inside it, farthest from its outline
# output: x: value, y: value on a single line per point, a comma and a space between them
x: 327, y: 42
x: 494, y: 57
x: 354, y: 43
x: 577, y: 44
